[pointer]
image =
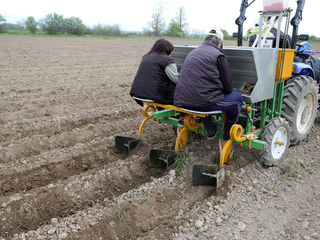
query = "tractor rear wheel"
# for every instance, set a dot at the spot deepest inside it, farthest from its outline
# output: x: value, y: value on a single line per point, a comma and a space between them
x: 277, y: 139
x: 300, y: 106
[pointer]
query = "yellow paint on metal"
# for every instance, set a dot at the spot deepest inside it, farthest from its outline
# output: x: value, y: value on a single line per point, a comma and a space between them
x: 182, y: 139
x: 147, y: 111
x: 250, y: 137
x: 202, y: 129
x: 235, y: 135
x: 226, y: 151
x: 287, y: 64
x: 142, y: 125
x: 190, y: 122
x: 279, y: 143
x: 175, y: 109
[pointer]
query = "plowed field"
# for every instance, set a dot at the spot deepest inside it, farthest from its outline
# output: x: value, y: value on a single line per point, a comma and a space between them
x: 62, y: 101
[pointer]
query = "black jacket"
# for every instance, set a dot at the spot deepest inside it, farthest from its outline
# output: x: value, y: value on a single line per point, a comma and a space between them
x: 151, y: 81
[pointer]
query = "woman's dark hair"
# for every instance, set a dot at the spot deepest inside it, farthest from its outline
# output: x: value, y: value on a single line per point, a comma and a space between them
x: 161, y: 46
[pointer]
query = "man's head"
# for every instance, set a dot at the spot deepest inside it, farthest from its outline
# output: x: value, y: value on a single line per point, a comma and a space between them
x: 216, y: 37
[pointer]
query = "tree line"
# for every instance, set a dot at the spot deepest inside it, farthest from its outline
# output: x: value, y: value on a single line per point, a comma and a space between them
x: 51, y: 24
x: 55, y: 23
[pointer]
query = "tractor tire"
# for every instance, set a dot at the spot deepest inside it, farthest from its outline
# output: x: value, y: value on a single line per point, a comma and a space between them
x: 276, y: 136
x: 299, y: 106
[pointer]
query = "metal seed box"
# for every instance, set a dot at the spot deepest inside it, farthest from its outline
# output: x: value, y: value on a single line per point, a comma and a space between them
x: 255, y: 66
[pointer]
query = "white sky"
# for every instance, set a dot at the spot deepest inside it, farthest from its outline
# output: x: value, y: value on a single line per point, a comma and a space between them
x: 134, y: 15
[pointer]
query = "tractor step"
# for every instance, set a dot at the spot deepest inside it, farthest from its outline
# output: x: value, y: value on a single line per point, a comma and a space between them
x: 161, y: 158
x: 208, y: 175
x: 125, y: 144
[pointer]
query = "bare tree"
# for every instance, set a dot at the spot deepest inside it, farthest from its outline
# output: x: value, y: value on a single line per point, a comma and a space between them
x: 181, y: 19
x: 178, y: 25
x: 157, y: 23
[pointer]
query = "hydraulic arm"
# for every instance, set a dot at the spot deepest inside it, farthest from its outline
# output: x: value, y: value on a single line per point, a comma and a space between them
x: 240, y: 20
x: 295, y: 21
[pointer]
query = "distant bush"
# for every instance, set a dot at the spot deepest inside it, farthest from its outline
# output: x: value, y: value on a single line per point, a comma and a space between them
x: 31, y: 24
x: 15, y: 27
x: 52, y: 24
x: 195, y: 33
x: 3, y: 27
x: 226, y: 34
x: 147, y: 32
x: 74, y: 25
x: 174, y: 30
x: 57, y: 24
x: 313, y: 38
x: 106, y: 30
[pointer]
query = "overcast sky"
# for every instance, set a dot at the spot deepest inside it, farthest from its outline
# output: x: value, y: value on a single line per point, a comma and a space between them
x: 134, y: 15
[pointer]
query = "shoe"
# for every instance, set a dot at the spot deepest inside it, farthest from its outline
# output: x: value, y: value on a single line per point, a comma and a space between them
x: 212, y: 132
x: 181, y: 122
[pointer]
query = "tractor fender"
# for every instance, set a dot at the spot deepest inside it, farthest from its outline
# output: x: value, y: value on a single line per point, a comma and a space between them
x: 302, y: 69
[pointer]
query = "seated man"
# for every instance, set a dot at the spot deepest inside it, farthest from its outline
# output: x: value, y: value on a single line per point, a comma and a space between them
x: 205, y: 84
x: 252, y: 35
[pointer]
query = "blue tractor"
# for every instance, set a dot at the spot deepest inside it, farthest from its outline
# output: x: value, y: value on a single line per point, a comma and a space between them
x: 301, y: 91
x: 305, y: 63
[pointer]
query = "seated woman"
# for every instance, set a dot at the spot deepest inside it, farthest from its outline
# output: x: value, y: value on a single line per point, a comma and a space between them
x: 157, y: 75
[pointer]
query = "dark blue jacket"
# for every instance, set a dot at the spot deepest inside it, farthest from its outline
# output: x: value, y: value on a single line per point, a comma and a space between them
x: 199, y: 83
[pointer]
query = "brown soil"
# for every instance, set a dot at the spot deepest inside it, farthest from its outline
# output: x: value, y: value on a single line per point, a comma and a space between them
x: 62, y: 102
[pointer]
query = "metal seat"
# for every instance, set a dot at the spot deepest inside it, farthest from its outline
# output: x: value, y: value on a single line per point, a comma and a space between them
x: 184, y: 109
